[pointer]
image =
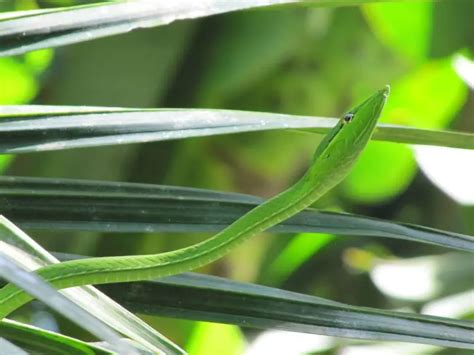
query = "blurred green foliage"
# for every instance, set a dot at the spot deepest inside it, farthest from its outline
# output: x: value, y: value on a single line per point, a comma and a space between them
x: 20, y: 78
x: 301, y: 247
x: 211, y: 338
x: 299, y: 61
x: 405, y: 29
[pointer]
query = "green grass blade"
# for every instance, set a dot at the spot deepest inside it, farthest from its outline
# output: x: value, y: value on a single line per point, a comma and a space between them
x: 88, y: 297
x: 127, y: 207
x: 209, y: 298
x: 412, y: 135
x: 40, y: 341
x: 31, y: 30
x: 25, y: 129
x: 11, y: 271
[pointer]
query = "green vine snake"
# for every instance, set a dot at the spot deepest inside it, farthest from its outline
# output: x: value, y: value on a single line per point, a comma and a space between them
x: 332, y: 161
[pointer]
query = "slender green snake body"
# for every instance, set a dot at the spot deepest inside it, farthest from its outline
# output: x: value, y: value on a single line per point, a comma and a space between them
x: 332, y: 161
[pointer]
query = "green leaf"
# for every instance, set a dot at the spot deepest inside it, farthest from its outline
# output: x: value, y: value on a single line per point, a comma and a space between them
x: 452, y: 27
x: 5, y: 161
x: 88, y: 297
x: 21, y: 83
x: 406, y: 28
x: 383, y: 170
x: 214, y: 299
x: 212, y: 338
x: 301, y: 247
x: 40, y: 341
x: 10, y: 270
x: 39, y: 61
x: 40, y: 128
x: 249, y: 46
x: 428, y: 97
x: 125, y: 207
x: 412, y: 135
x: 25, y: 31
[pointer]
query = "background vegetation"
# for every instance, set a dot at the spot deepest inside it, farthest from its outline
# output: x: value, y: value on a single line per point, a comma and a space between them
x: 294, y: 60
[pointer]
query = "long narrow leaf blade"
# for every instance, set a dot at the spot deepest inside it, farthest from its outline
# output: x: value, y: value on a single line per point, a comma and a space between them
x: 88, y: 297
x: 210, y: 298
x: 11, y: 348
x: 25, y: 129
x: 128, y: 207
x: 30, y: 30
x: 40, y: 341
x: 34, y: 285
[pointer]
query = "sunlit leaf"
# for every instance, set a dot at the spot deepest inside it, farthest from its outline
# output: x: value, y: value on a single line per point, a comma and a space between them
x: 301, y: 247
x: 429, y: 97
x: 5, y: 162
x: 17, y: 82
x: 38, y: 61
x: 406, y: 28
x: 26, y: 5
x: 383, y: 170
x: 213, y: 338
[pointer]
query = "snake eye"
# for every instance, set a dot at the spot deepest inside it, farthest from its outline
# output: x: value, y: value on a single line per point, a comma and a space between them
x: 348, y: 117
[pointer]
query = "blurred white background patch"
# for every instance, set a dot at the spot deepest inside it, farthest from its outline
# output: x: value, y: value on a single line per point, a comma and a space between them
x: 426, y: 278
x: 389, y: 349
x: 278, y: 342
x: 454, y: 306
x: 410, y: 279
x: 465, y: 69
x: 450, y: 169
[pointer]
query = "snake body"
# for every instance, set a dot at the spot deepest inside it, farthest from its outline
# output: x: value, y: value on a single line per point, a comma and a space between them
x: 332, y: 161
